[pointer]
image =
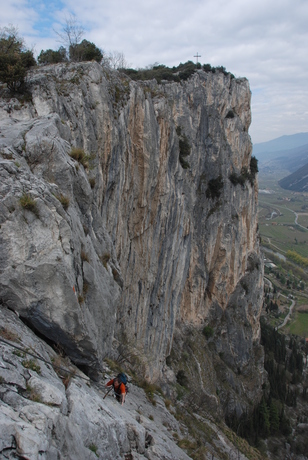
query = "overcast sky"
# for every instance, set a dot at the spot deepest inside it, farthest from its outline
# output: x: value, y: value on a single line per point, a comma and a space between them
x: 263, y: 40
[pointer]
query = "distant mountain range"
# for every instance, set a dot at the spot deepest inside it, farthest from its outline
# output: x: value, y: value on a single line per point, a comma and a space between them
x: 279, y: 146
x: 285, y: 155
x: 298, y: 181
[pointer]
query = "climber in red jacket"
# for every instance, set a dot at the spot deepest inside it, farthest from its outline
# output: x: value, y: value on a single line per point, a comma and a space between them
x: 119, y: 387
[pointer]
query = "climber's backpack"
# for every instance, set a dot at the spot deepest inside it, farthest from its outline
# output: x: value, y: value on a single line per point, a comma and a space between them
x: 120, y: 378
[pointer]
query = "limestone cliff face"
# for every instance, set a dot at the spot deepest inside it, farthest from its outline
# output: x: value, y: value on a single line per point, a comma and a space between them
x: 147, y: 244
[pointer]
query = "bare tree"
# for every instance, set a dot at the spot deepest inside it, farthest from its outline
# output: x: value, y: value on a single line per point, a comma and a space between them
x: 115, y: 60
x: 72, y: 32
x: 10, y: 41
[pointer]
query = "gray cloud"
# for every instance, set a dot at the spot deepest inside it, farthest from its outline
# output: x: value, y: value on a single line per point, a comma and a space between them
x: 265, y: 41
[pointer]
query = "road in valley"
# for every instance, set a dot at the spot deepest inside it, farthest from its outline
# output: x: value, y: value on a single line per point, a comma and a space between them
x: 284, y: 207
x: 289, y: 313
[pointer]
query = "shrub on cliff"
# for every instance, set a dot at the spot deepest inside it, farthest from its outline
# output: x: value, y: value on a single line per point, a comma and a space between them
x: 15, y: 59
x: 161, y: 72
x: 237, y: 179
x: 186, y: 70
x: 207, y: 67
x: 52, y: 57
x: 253, y: 167
x: 208, y: 332
x: 85, y: 51
x: 177, y: 73
x: 184, y: 148
x: 214, y: 188
x: 246, y: 174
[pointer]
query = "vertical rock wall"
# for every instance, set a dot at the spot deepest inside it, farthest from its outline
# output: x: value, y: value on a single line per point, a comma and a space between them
x: 166, y: 244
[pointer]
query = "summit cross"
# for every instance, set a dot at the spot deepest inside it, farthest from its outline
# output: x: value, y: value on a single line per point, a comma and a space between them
x: 197, y: 56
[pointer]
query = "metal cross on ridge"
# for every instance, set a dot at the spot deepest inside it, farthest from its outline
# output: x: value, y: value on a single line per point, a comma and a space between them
x: 197, y: 56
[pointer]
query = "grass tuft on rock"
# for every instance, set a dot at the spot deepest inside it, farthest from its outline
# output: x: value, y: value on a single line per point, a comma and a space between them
x: 64, y: 200
x: 27, y: 202
x: 79, y: 155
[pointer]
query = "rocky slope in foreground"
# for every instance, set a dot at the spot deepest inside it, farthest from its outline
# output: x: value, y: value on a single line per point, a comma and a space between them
x: 121, y: 228
x: 50, y: 410
x: 41, y: 418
